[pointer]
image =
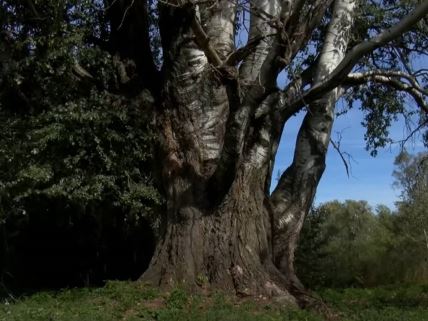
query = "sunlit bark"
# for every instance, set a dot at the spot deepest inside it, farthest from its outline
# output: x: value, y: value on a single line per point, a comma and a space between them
x: 221, y: 115
x: 296, y: 189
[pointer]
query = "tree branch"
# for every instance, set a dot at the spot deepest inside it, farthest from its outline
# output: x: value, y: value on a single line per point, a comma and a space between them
x: 296, y: 188
x: 240, y: 54
x: 351, y: 59
x: 203, y: 42
x: 392, y: 78
x: 81, y: 72
x: 130, y: 38
x: 403, y: 142
x: 215, y: 36
x: 218, y: 20
x: 341, y: 154
x: 391, y: 74
x: 260, y: 26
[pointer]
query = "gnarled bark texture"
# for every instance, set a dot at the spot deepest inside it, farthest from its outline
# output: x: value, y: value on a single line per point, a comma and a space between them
x: 221, y: 115
x: 296, y: 189
x: 220, y: 135
x: 218, y: 227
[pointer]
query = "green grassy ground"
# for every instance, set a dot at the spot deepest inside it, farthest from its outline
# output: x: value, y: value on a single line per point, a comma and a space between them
x: 134, y: 302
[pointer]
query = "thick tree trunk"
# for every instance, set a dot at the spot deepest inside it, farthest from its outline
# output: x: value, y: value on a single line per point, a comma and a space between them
x: 221, y: 116
x: 222, y: 228
x: 225, y: 247
x: 293, y: 197
x: 218, y: 223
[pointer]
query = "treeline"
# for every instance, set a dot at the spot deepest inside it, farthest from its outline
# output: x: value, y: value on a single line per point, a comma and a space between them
x: 78, y: 203
x: 350, y: 244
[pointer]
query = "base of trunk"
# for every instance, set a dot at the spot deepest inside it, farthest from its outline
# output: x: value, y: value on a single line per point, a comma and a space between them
x: 202, y: 257
x: 228, y: 248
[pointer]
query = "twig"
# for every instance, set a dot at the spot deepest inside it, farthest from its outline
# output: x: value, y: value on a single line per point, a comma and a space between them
x: 203, y: 41
x: 240, y: 54
x: 125, y: 13
x: 413, y: 132
x: 337, y: 148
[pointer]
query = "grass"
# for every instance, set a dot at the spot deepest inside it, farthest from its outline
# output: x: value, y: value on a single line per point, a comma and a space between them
x: 134, y: 302
x: 391, y: 303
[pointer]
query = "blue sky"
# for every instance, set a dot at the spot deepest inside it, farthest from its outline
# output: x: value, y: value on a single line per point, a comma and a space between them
x: 371, y: 178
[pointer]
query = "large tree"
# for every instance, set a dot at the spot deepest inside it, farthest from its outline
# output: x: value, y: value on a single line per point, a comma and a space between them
x: 220, y: 112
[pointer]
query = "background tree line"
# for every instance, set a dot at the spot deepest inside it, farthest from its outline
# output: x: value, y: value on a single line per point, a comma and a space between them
x: 351, y: 244
x: 77, y: 199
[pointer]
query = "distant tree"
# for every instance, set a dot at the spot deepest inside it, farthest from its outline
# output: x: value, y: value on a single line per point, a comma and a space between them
x: 347, y: 243
x: 411, y: 223
x: 411, y: 175
x: 351, y: 245
x: 310, y: 253
x: 219, y: 111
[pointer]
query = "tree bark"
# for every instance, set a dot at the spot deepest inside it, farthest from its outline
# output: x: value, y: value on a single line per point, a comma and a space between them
x: 222, y: 228
x: 227, y: 247
x: 221, y: 242
x: 294, y: 194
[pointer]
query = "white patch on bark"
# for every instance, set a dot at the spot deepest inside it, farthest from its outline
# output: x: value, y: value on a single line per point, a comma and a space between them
x: 221, y: 27
x: 260, y: 26
x: 309, y: 165
x: 337, y: 38
x: 211, y: 120
x: 237, y: 270
x: 273, y: 289
x: 283, y: 221
x: 206, y: 101
x: 259, y: 155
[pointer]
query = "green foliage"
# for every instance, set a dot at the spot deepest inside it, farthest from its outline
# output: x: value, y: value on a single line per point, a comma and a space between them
x: 381, y: 105
x: 411, y: 176
x: 134, y: 301
x: 83, y: 152
x: 108, y: 303
x: 177, y: 299
x: 41, y: 51
x: 75, y: 146
x: 344, y: 243
x: 312, y: 241
x: 66, y: 135
x: 383, y: 303
x: 412, y: 220
x: 348, y: 243
x: 137, y: 302
x: 381, y: 108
